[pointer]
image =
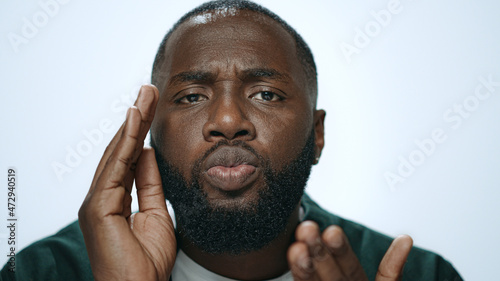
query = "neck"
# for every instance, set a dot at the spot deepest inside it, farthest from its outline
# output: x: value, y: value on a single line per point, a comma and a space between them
x: 267, y: 263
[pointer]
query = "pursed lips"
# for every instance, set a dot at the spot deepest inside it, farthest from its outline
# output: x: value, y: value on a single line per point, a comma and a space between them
x: 230, y: 168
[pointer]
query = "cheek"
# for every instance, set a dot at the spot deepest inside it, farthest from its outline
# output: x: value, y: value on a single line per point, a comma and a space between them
x: 281, y: 137
x: 181, y: 140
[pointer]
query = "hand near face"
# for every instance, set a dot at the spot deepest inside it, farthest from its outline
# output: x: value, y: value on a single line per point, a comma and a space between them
x: 121, y: 245
x: 328, y: 256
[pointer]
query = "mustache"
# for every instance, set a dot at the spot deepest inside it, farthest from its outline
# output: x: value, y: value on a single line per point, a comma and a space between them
x: 237, y: 143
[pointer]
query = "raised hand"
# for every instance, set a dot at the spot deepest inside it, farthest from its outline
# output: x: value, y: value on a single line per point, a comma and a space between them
x: 121, y: 245
x: 328, y: 256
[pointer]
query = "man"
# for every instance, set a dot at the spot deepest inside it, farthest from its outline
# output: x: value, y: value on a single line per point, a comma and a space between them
x: 234, y: 133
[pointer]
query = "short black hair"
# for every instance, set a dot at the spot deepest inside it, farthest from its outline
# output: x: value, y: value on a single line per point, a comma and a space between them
x: 304, y: 54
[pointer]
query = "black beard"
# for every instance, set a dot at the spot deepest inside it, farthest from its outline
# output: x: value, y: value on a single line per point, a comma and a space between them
x: 238, y: 229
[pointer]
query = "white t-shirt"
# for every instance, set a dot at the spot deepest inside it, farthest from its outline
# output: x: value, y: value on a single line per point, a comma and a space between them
x: 185, y: 269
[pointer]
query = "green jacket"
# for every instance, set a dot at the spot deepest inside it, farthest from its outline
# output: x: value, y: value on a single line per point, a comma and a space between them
x: 63, y: 256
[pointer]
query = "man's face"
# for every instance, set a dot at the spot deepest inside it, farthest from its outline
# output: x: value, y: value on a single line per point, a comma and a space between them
x: 234, y: 106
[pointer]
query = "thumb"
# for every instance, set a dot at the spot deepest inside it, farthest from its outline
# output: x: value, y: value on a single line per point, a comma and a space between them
x: 391, y: 266
x: 148, y: 183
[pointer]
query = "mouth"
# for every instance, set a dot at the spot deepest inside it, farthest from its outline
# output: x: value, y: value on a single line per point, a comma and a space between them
x: 231, y: 169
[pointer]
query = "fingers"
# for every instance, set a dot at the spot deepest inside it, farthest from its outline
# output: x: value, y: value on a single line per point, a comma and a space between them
x: 121, y: 159
x: 391, y: 267
x: 323, y: 261
x: 323, y: 257
x: 107, y: 198
x: 146, y: 104
x: 341, y: 250
x: 148, y: 184
x: 116, y: 166
x: 329, y: 256
x: 300, y: 262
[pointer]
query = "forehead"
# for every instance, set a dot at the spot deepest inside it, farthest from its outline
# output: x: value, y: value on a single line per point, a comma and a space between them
x: 229, y: 38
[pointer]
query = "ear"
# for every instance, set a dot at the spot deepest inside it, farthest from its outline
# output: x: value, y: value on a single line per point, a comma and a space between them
x: 319, y: 133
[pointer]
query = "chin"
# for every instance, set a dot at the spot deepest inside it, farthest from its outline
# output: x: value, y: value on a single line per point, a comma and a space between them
x: 243, y: 199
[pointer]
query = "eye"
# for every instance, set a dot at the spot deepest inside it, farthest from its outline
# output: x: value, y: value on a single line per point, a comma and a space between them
x: 266, y: 96
x: 191, y: 98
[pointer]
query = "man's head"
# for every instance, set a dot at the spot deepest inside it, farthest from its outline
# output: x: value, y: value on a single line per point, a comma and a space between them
x: 235, y: 130
x: 212, y: 10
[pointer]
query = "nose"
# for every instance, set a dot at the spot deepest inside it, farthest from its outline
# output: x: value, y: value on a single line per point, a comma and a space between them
x: 228, y: 120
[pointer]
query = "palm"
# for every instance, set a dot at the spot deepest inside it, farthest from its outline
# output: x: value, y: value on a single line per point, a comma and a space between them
x: 156, y: 235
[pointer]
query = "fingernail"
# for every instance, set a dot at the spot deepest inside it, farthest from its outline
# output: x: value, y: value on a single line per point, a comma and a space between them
x: 128, y: 112
x: 130, y: 109
x: 305, y: 264
x: 335, y: 241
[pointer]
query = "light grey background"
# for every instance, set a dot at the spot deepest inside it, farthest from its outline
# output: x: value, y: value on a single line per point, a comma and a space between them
x: 82, y: 66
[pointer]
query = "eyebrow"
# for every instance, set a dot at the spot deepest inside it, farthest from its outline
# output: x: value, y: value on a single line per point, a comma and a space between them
x: 205, y: 77
x: 192, y: 76
x: 269, y: 73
